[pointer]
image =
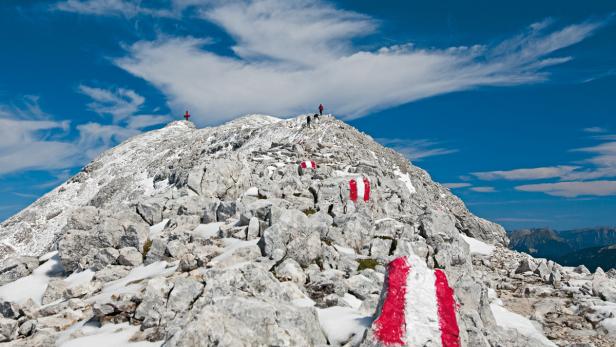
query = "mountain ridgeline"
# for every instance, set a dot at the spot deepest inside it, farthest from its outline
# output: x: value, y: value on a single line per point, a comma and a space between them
x: 592, y: 247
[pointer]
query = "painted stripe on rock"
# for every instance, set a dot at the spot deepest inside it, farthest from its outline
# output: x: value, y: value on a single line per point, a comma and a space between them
x: 450, y: 333
x: 360, y: 188
x: 422, y: 324
x: 308, y: 164
x: 419, y: 308
x: 390, y: 326
x: 353, y: 189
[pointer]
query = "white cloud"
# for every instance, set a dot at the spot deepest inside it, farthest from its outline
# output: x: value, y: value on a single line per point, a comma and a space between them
x: 125, y: 8
x: 95, y: 138
x: 31, y: 140
x: 415, y: 150
x: 119, y: 104
x: 483, y: 189
x: 572, y: 189
x: 32, y: 143
x: 527, y: 174
x: 456, y: 185
x: 291, y: 56
x: 24, y: 146
x: 595, y: 130
x: 145, y: 121
x: 304, y: 32
x: 519, y: 220
x: 122, y: 105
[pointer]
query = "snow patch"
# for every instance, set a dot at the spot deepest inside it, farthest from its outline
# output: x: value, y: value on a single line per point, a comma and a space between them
x: 34, y: 285
x: 352, y: 300
x: 342, y: 325
x: 108, y: 335
x: 157, y: 228
x: 206, y: 231
x: 252, y: 191
x: 406, y: 179
x: 511, y: 320
x: 231, y: 245
x: 344, y: 250
x: 609, y: 325
x: 128, y: 284
x: 478, y: 247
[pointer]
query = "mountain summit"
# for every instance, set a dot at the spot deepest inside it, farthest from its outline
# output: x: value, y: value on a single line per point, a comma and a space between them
x: 264, y: 231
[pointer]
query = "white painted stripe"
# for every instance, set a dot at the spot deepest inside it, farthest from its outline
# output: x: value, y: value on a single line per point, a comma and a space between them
x: 361, y: 188
x: 421, y: 311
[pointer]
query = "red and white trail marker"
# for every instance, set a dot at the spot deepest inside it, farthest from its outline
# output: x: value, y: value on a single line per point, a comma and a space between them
x: 360, y: 188
x: 308, y: 164
x: 419, y: 308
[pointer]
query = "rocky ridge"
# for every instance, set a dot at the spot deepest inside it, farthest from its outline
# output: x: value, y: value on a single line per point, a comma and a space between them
x: 216, y: 236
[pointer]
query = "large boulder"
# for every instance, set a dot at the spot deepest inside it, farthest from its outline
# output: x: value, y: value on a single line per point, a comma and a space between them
x: 242, y: 321
x: 292, y: 236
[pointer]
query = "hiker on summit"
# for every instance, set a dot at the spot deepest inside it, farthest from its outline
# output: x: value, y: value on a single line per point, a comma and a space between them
x: 308, y: 120
x: 316, y: 117
x: 321, y: 109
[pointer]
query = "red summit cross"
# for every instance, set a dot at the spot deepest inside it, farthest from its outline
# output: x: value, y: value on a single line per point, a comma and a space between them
x: 187, y: 115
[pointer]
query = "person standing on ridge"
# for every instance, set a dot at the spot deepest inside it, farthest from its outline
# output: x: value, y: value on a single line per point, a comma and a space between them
x: 308, y: 121
x: 321, y: 109
x: 186, y: 115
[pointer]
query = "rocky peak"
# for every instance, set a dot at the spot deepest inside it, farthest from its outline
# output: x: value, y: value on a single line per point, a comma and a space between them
x: 259, y: 231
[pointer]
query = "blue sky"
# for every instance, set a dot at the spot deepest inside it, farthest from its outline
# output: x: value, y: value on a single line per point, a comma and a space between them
x: 511, y: 105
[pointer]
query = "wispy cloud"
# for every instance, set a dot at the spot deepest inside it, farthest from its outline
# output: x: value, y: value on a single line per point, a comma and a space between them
x: 527, y: 174
x: 520, y: 220
x: 595, y: 130
x: 29, y: 141
x: 95, y: 138
x: 483, y: 189
x: 312, y: 59
x: 456, y: 185
x: 572, y: 189
x: 415, y: 150
x: 122, y: 105
x: 124, y: 8
x: 575, y: 180
x: 119, y: 104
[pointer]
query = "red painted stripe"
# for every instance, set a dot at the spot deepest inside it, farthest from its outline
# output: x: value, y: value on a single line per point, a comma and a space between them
x: 303, y: 164
x: 450, y: 333
x: 366, y: 189
x: 390, y: 327
x: 314, y: 165
x: 353, y: 188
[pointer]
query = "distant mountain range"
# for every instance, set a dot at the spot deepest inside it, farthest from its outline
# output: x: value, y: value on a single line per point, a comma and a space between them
x: 592, y: 247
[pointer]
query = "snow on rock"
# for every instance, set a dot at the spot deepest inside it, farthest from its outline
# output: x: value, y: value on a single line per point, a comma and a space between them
x: 117, y: 335
x: 511, y: 320
x: 477, y: 246
x: 158, y: 228
x: 343, y: 325
x: 130, y: 283
x: 609, y: 325
x: 406, y: 179
x: 33, y: 286
x: 206, y: 231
